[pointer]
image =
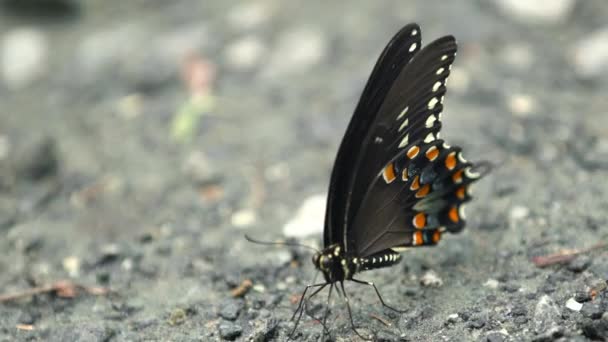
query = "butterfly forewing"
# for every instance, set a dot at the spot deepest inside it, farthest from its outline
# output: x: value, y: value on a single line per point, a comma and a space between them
x: 410, y: 111
x: 400, y: 50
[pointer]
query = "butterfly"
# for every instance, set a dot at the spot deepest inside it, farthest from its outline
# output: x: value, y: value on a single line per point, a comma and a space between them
x: 395, y: 184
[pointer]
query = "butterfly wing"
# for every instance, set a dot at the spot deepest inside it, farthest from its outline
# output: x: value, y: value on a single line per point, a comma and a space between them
x: 400, y: 50
x: 416, y: 197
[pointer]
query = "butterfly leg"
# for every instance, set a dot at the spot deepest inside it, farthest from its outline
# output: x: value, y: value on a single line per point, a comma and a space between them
x: 350, y: 314
x: 300, y: 304
x: 378, y: 293
x: 331, y: 287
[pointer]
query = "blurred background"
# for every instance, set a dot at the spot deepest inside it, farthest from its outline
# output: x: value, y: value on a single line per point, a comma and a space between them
x: 140, y: 140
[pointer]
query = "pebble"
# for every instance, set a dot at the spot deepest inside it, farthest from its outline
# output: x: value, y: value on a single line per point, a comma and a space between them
x: 546, y: 314
x: 230, y: 309
x: 23, y: 58
x: 496, y: 336
x: 573, y: 305
x: 199, y: 169
x: 541, y: 11
x: 579, y: 264
x: 230, y: 331
x: 453, y: 318
x: 522, y: 105
x: 37, y: 159
x: 250, y: 15
x: 71, y: 265
x: 309, y: 218
x: 491, y: 283
x: 519, y: 213
x: 590, y: 57
x: 431, y: 279
x: 245, y: 53
x: 243, y: 218
x: 296, y: 51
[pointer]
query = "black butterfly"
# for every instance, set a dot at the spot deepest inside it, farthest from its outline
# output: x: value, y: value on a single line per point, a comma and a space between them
x: 394, y: 183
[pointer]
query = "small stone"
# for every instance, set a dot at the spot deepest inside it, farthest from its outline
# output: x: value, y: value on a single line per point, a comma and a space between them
x: 243, y: 218
x: 522, y: 105
x: 296, y: 52
x: 582, y: 296
x: 245, y: 53
x: 573, y: 305
x: 230, y: 309
x: 109, y: 253
x: 38, y: 159
x: 199, y: 169
x: 496, y: 336
x: 591, y: 55
x: 579, y: 264
x: 178, y: 317
x: 250, y: 15
x: 534, y: 12
x: 491, y: 283
x: 71, y: 265
x: 592, y: 310
x: 453, y: 318
x: 230, y: 331
x: 309, y: 218
x: 431, y: 279
x: 23, y: 57
x: 519, y: 213
x: 546, y: 315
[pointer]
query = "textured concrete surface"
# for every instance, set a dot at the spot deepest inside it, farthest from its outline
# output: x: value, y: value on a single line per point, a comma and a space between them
x: 94, y: 190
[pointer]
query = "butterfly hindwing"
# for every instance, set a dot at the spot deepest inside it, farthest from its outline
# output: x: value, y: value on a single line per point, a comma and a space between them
x: 417, y: 196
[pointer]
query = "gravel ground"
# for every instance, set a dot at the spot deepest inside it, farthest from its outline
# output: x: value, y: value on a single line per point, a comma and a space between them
x: 129, y: 224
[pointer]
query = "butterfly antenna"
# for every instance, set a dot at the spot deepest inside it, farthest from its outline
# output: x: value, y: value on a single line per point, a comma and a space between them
x: 279, y: 243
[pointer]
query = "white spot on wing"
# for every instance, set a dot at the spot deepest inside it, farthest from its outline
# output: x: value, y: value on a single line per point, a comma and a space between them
x: 440, y: 71
x: 413, y: 47
x: 471, y: 174
x: 461, y: 212
x: 414, y: 32
x: 436, y: 86
x: 403, y: 125
x: 429, y: 138
x: 461, y: 158
x: 403, y: 112
x: 444, y: 57
x: 432, y: 103
x: 430, y: 121
x: 404, y: 141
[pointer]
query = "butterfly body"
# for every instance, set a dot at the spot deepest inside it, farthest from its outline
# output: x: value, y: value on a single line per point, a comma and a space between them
x: 337, y: 266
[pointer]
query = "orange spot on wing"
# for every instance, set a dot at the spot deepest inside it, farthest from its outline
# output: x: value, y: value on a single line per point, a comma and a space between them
x: 461, y: 192
x: 432, y: 153
x: 453, y: 215
x: 419, y: 220
x: 423, y: 191
x: 415, y: 183
x: 436, y: 236
x: 450, y: 161
x: 417, y: 240
x: 413, y: 152
x: 457, y: 176
x: 389, y: 173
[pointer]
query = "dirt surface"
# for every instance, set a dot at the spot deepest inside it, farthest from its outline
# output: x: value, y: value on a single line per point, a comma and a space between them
x: 96, y: 191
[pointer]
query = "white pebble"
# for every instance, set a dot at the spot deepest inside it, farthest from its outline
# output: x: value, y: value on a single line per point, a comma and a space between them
x: 574, y: 305
x: 491, y: 283
x: 519, y: 212
x: 71, y: 265
x: 243, y: 218
x: 431, y: 279
x: 522, y: 104
x: 591, y: 55
x: 309, y: 218
x: 245, y: 53
x: 297, y: 51
x: 539, y: 11
x: 23, y: 57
